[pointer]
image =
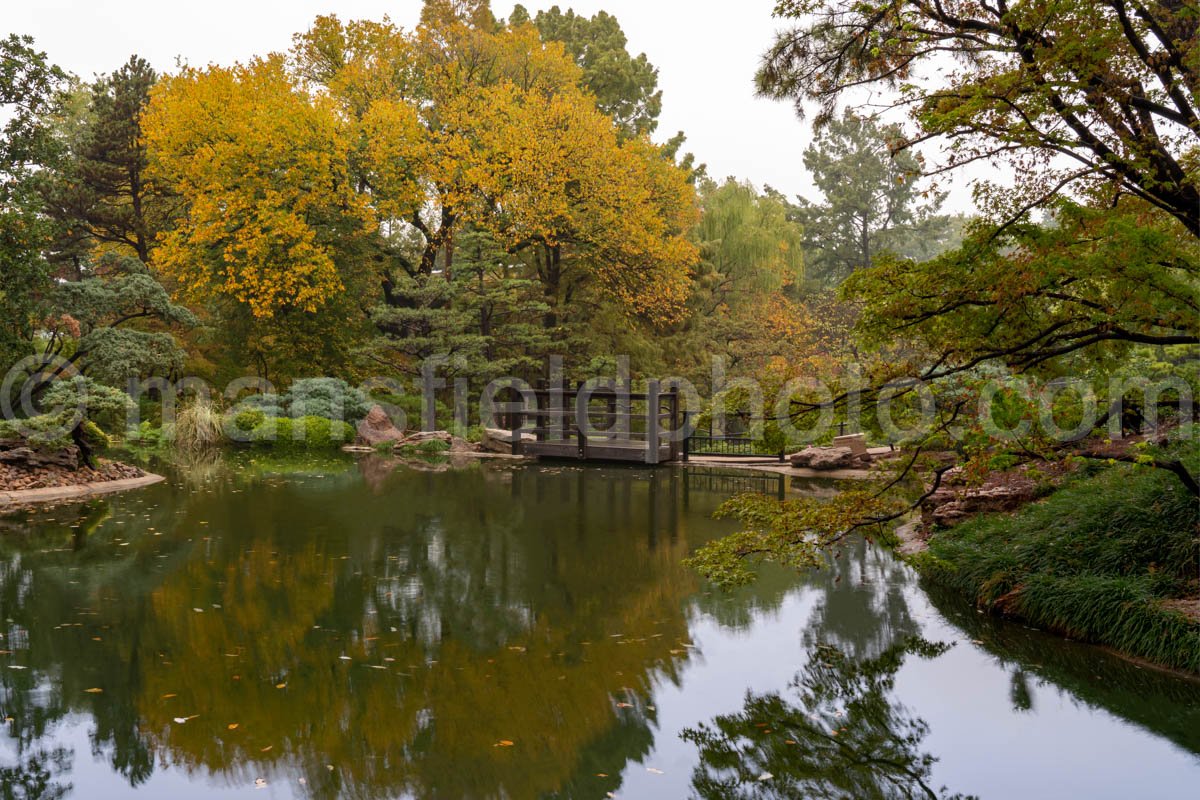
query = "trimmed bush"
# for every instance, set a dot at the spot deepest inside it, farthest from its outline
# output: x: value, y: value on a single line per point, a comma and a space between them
x: 270, y: 405
x: 331, y: 398
x: 312, y: 433
x: 240, y: 425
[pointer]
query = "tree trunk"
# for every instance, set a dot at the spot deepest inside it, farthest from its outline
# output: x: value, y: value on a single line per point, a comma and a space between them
x: 86, y: 454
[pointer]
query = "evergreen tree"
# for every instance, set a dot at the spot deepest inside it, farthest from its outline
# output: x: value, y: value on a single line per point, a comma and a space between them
x: 625, y: 86
x: 100, y: 191
x: 872, y: 200
x: 28, y: 86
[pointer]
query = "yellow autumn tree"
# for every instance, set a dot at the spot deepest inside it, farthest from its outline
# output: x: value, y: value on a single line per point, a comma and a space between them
x: 565, y: 188
x: 370, y: 147
x: 466, y: 121
x: 271, y: 212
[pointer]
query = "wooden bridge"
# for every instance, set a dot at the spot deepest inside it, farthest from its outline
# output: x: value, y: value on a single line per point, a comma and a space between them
x: 598, y: 424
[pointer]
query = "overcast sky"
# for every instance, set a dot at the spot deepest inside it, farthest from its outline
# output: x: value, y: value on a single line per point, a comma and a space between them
x: 706, y: 52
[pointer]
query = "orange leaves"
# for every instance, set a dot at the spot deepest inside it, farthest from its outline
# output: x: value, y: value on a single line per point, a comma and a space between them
x: 262, y: 168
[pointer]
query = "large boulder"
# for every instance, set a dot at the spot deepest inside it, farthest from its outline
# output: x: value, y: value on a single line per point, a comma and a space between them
x: 20, y: 453
x: 377, y: 428
x: 826, y: 458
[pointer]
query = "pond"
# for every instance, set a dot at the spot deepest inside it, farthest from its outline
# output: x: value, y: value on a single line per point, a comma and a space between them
x: 366, y: 629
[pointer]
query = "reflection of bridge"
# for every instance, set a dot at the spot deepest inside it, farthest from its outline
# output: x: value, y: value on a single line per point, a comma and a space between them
x: 733, y: 482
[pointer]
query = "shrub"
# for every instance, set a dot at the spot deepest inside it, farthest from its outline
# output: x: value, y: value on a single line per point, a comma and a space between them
x: 432, y: 446
x: 45, y: 431
x: 271, y: 405
x: 145, y: 435
x: 309, y: 432
x: 240, y: 424
x: 331, y: 398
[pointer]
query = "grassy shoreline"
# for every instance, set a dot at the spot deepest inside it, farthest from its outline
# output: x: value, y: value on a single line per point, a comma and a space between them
x: 1106, y: 559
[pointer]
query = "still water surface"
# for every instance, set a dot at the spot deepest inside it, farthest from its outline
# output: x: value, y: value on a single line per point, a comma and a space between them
x: 327, y: 629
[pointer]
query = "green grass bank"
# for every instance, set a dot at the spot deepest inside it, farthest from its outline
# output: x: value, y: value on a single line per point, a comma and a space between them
x: 1106, y: 559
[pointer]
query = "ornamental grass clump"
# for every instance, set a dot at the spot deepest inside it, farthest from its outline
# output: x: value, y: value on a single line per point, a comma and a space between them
x: 199, y: 426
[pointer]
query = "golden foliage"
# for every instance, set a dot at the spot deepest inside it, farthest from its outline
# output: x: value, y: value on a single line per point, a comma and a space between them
x: 262, y: 169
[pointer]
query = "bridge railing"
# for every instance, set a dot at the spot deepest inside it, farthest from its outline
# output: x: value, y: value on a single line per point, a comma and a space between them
x: 594, y: 416
x: 708, y: 443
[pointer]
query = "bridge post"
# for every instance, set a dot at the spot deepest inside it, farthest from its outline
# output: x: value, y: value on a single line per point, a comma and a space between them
x: 673, y: 405
x: 687, y: 434
x: 652, y: 411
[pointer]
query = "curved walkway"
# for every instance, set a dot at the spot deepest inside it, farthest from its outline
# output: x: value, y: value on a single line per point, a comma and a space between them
x: 52, y: 494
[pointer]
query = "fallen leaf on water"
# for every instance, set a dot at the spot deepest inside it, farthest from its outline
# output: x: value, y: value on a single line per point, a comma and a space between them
x: 624, y: 705
x: 503, y: 743
x: 766, y: 776
x: 168, y: 696
x: 265, y: 749
x: 94, y: 691
x: 281, y: 686
x: 182, y: 720
x: 601, y: 774
x: 232, y: 726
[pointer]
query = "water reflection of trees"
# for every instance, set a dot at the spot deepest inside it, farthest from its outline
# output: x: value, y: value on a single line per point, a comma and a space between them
x: 396, y: 633
x: 1154, y: 699
x: 861, y: 606
x: 840, y: 735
